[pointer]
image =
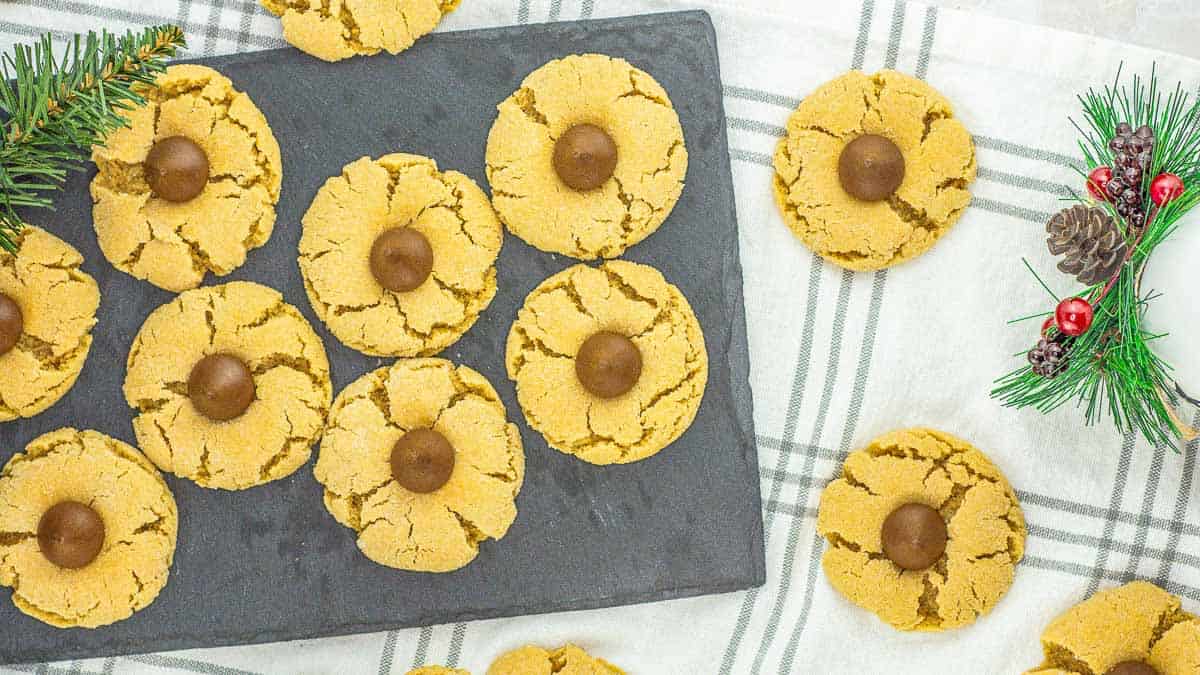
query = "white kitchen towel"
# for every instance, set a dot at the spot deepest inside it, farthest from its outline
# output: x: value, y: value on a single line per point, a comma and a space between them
x: 836, y: 357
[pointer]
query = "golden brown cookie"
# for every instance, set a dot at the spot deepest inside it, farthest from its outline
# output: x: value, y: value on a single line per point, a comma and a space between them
x: 439, y: 528
x: 438, y: 670
x: 634, y: 111
x: 1153, y: 630
x: 174, y: 244
x: 566, y: 660
x: 139, y: 528
x: 338, y: 29
x: 636, y: 303
x: 57, y: 304
x: 291, y: 388
x: 341, y: 229
x: 983, y: 520
x: 939, y: 161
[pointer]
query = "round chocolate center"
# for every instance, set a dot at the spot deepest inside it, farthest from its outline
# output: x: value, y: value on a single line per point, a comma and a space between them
x: 871, y: 168
x: 176, y: 169
x: 914, y: 536
x: 1132, y: 668
x: 585, y: 157
x: 221, y: 387
x: 401, y: 259
x: 71, y: 534
x: 422, y: 460
x: 608, y: 364
x: 12, y: 324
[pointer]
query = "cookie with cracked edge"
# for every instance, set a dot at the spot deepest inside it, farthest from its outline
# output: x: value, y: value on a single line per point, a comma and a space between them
x: 566, y: 660
x: 437, y: 531
x: 58, y: 303
x: 629, y: 299
x: 174, y: 245
x: 333, y: 30
x: 437, y: 670
x: 940, y: 165
x: 140, y: 521
x: 370, y: 197
x: 984, y: 521
x: 635, y: 111
x: 274, y: 436
x: 1154, y: 630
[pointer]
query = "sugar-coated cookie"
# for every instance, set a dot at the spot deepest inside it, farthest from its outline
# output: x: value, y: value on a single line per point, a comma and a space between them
x: 338, y: 29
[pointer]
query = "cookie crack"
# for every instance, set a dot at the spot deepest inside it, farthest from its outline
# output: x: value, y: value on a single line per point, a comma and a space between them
x: 14, y: 538
x: 526, y: 100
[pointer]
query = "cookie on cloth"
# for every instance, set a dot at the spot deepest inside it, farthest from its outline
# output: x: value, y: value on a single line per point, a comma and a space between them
x: 398, y: 258
x: 566, y: 660
x: 609, y: 362
x: 338, y: 29
x: 231, y: 386
x: 1135, y: 629
x: 87, y: 529
x: 874, y: 169
x: 47, y: 311
x: 437, y: 670
x: 190, y: 185
x: 420, y: 461
x: 923, y: 530
x: 587, y: 158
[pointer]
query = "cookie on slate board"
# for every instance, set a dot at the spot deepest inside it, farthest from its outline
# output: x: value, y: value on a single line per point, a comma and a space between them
x: 420, y: 461
x: 231, y: 385
x: 1136, y: 629
x: 923, y: 530
x: 587, y: 158
x: 609, y: 362
x: 874, y: 169
x: 566, y: 660
x: 47, y: 311
x: 87, y: 529
x: 191, y: 185
x: 398, y: 258
x: 338, y: 29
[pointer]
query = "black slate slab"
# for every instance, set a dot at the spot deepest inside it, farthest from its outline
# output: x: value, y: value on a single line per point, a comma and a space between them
x: 270, y: 563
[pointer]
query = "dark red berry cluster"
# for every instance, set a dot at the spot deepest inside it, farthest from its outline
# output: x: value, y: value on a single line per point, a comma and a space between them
x: 1133, y: 153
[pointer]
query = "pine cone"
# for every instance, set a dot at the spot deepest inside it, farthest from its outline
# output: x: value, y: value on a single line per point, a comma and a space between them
x: 1050, y: 357
x: 1090, y: 241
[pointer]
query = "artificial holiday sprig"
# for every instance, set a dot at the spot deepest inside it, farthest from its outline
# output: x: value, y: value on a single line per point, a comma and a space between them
x: 54, y: 109
x: 1102, y: 357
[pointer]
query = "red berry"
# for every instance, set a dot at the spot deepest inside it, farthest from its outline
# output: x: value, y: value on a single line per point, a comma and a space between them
x: 1098, y: 182
x: 1073, y: 316
x: 1165, y: 188
x: 1047, y: 324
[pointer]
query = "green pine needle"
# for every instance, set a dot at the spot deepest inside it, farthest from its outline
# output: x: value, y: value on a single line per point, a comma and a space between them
x: 1112, y: 371
x: 56, y: 109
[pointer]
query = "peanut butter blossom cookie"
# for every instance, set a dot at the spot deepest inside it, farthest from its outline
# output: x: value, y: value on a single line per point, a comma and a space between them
x: 874, y: 169
x: 1136, y: 629
x: 338, y: 29
x: 421, y: 463
x: 191, y: 185
x: 47, y: 311
x: 87, y: 529
x: 437, y: 670
x: 566, y: 660
x: 587, y: 158
x: 609, y: 362
x: 923, y: 530
x: 231, y: 385
x: 399, y: 258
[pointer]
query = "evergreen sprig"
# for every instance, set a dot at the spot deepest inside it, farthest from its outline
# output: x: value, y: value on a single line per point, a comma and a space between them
x: 55, y: 109
x: 1113, y: 370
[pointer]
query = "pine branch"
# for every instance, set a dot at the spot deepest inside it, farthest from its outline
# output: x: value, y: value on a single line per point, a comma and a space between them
x: 54, y: 109
x: 1112, y: 370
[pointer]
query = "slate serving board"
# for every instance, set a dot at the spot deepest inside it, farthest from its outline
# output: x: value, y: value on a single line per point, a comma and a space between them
x: 270, y: 563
